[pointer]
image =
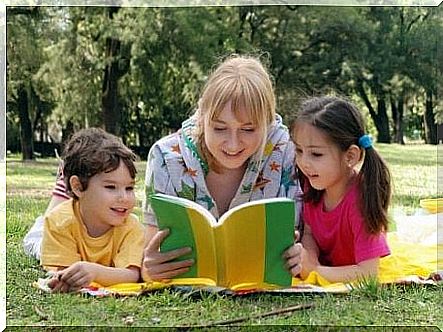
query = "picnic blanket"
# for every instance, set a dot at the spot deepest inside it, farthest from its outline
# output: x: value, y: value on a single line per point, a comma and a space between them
x: 416, y: 257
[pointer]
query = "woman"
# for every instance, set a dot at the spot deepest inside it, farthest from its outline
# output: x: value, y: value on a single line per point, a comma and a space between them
x: 234, y: 149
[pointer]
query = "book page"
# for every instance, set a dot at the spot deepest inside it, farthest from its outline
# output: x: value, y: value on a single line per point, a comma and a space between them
x: 189, y: 227
x: 253, y: 239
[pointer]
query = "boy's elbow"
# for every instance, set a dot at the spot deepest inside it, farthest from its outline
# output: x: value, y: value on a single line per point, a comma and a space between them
x: 134, y: 275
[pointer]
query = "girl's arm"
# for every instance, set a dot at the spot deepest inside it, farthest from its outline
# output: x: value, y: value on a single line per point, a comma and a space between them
x: 368, y: 268
x: 309, y: 254
x: 157, y: 265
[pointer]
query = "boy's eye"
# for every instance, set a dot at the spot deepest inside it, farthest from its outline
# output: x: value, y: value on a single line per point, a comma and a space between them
x: 110, y: 186
x: 219, y: 128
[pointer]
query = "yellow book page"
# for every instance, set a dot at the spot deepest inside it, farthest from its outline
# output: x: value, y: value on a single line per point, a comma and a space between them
x: 240, y: 243
x: 205, y: 244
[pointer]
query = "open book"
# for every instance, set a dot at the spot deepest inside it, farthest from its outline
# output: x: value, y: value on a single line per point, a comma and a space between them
x: 242, y: 250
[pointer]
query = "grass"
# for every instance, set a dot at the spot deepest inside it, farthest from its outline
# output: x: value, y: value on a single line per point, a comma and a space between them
x: 414, y: 170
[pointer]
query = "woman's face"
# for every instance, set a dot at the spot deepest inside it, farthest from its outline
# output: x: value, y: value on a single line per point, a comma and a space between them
x: 231, y: 138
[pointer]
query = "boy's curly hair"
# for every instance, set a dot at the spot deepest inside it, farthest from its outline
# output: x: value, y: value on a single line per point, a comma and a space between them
x: 92, y: 151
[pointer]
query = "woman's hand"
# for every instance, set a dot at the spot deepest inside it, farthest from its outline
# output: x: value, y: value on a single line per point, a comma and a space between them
x: 157, y: 266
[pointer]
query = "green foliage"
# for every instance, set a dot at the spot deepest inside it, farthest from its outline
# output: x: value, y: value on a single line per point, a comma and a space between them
x: 378, y: 56
x: 369, y: 304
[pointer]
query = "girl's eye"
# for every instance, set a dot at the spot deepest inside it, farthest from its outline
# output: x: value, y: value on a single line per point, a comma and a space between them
x: 129, y: 188
x: 316, y: 154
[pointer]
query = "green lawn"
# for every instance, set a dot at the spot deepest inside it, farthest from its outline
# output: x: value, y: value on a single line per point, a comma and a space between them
x: 414, y: 169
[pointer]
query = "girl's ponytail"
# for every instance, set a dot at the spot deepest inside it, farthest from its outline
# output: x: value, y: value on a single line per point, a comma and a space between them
x: 375, y: 184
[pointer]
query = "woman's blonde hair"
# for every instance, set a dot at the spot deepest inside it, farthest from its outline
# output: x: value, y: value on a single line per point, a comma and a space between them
x: 244, y: 81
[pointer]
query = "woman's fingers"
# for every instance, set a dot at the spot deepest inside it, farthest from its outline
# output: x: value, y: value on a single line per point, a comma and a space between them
x: 157, y: 239
x: 161, y: 265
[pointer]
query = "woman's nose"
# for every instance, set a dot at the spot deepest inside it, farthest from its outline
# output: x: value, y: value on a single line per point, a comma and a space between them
x: 233, y: 141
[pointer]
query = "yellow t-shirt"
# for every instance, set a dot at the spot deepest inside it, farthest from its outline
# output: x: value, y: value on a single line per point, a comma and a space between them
x: 66, y: 240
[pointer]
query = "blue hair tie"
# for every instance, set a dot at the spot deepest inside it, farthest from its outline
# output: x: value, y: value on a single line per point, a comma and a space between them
x: 365, y: 141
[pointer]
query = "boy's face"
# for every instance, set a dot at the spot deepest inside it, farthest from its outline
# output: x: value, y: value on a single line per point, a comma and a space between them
x: 107, y: 201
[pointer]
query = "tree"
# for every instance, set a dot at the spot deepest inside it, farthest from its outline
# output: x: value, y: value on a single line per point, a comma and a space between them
x: 23, y: 60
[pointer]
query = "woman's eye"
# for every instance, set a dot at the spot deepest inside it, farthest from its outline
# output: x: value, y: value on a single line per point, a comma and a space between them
x: 249, y: 129
x: 298, y: 151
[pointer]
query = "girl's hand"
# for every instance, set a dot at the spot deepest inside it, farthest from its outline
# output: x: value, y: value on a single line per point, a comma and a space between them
x: 293, y: 256
x: 309, y: 263
x: 158, y: 265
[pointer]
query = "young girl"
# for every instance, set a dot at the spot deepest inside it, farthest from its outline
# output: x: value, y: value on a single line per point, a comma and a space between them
x: 347, y: 190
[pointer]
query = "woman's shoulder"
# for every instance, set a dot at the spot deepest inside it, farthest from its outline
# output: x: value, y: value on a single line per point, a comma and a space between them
x: 166, y: 144
x: 168, y: 140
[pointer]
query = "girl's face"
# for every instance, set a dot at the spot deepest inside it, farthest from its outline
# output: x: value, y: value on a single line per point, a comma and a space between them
x: 231, y: 138
x: 320, y: 160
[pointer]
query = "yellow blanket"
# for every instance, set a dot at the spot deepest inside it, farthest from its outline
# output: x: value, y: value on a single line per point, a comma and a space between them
x: 408, y: 262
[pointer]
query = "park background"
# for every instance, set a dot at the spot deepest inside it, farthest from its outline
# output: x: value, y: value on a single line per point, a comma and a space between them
x: 137, y: 72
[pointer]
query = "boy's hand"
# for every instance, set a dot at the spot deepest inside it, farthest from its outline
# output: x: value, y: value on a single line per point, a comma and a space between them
x: 78, y: 275
x: 58, y: 286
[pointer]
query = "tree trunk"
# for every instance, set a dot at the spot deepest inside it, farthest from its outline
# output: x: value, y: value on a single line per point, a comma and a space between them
x: 115, y: 68
x: 382, y: 122
x: 67, y: 131
x: 430, y: 125
x: 110, y: 107
x: 380, y: 117
x: 26, y: 138
x: 397, y: 115
x: 142, y: 129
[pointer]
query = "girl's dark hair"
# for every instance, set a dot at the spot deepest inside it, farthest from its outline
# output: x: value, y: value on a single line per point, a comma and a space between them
x: 92, y: 151
x: 342, y: 122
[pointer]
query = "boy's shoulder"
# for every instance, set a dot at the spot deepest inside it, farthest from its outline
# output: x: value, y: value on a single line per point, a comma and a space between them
x: 62, y: 215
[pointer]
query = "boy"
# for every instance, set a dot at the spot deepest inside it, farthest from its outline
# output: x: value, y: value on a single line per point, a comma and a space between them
x: 93, y: 236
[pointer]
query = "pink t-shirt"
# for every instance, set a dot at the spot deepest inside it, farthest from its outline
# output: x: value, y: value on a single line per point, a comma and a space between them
x: 341, y: 234
x: 59, y: 189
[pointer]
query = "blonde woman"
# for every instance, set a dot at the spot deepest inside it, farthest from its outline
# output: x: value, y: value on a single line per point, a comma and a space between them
x: 234, y: 149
